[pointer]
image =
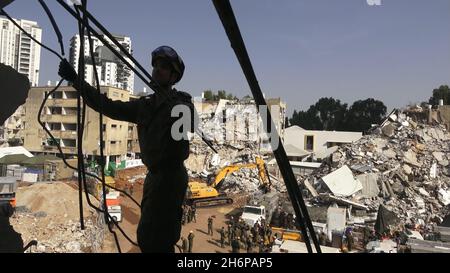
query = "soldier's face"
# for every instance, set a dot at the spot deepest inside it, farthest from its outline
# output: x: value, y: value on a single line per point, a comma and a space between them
x: 163, y: 72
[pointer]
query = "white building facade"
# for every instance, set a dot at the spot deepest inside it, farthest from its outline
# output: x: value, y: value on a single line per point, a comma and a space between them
x: 111, y: 71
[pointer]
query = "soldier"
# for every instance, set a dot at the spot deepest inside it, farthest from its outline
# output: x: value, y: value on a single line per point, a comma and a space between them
x: 229, y: 234
x: 191, y: 241
x: 249, y: 244
x: 222, y: 237
x: 261, y: 246
x: 235, y: 245
x: 210, y: 226
x: 163, y: 153
x: 188, y: 213
x: 184, y: 245
x: 194, y: 214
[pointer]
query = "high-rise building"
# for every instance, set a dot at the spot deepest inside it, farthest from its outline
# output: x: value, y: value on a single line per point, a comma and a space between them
x: 24, y: 55
x: 18, y: 50
x: 111, y: 71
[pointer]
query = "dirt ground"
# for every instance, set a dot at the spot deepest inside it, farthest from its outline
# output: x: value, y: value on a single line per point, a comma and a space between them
x: 203, y: 243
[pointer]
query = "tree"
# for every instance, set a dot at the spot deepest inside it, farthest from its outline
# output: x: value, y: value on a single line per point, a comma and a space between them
x: 331, y: 115
x: 208, y: 94
x: 363, y: 113
x: 442, y: 93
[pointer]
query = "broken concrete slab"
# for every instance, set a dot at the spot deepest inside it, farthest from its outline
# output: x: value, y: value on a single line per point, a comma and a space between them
x: 444, y: 196
x: 342, y: 183
x: 369, y: 185
x: 407, y: 169
x: 441, y: 158
x: 410, y: 157
x: 424, y: 192
x: 342, y: 201
x: 390, y: 153
x: 310, y: 188
x: 422, y: 246
x: 433, y: 170
x: 388, y: 130
x: 361, y: 168
x: 336, y: 220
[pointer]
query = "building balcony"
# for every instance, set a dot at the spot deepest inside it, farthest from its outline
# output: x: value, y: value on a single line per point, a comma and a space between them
x: 59, y: 119
x: 65, y: 150
x: 64, y: 134
x: 62, y: 103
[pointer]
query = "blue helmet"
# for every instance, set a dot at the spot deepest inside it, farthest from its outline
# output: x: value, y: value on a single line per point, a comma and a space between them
x: 168, y: 53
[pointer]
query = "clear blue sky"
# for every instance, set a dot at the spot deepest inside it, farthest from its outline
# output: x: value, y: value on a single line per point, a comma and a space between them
x: 301, y: 49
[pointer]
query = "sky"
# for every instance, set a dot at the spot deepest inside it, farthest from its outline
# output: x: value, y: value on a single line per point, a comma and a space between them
x: 301, y: 50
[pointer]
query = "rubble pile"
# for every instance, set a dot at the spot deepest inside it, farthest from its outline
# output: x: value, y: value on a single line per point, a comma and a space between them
x: 56, y: 237
x: 49, y: 214
x: 403, y: 165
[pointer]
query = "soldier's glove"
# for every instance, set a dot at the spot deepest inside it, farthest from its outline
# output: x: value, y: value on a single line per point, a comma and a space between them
x: 67, y: 72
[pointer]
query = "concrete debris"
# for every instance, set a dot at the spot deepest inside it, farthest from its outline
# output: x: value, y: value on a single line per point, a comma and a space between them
x: 49, y: 213
x: 402, y: 166
x: 342, y: 183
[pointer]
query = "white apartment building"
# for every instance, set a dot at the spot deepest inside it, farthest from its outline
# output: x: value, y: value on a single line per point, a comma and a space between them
x: 110, y: 69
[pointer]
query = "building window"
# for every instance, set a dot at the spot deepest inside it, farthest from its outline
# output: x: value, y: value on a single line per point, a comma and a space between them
x: 113, y: 125
x: 113, y: 142
x: 309, y: 143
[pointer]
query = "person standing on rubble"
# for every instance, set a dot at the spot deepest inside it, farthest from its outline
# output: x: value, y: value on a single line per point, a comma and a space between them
x: 165, y: 185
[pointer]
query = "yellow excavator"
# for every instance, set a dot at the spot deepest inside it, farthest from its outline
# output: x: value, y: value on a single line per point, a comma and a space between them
x: 202, y: 194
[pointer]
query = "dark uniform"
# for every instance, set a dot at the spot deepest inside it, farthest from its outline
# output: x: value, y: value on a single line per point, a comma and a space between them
x: 194, y: 216
x: 184, y: 245
x: 191, y: 242
x: 222, y: 237
x: 235, y: 245
x: 210, y: 226
x: 166, y: 182
x: 10, y: 240
x: 229, y: 234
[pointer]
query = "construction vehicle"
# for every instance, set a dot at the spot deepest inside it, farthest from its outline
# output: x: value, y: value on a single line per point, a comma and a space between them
x: 261, y: 207
x: 113, y: 205
x: 202, y: 194
x: 99, y: 187
x: 8, y: 186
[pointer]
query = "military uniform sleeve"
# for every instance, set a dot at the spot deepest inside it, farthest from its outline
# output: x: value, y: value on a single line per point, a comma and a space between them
x: 118, y: 110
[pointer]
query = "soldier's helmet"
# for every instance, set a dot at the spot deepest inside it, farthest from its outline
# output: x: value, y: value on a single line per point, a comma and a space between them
x: 168, y: 53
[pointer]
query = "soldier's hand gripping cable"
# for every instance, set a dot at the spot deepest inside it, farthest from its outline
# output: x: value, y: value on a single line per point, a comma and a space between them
x: 164, y: 147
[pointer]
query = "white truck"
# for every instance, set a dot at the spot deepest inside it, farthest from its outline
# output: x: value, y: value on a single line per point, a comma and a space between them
x: 261, y: 207
x: 253, y: 214
x: 115, y: 212
x: 113, y: 204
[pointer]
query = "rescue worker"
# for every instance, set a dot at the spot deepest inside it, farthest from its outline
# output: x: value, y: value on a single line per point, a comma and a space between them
x: 184, y: 245
x: 210, y: 226
x: 235, y: 245
x: 191, y: 241
x: 163, y: 154
x: 222, y: 237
